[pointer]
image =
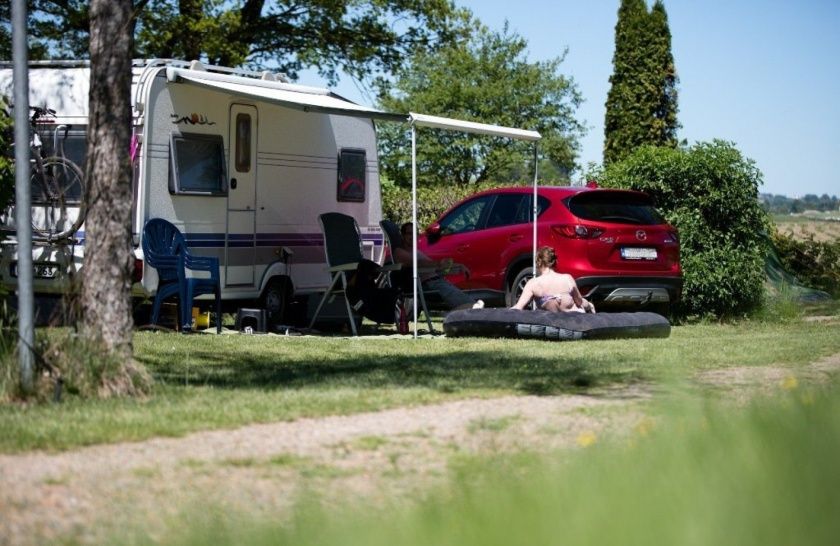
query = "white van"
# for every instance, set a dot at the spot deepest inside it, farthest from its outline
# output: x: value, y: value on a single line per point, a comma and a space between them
x: 242, y: 162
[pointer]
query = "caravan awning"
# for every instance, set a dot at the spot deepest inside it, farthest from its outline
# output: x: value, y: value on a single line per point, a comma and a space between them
x: 424, y: 120
x: 308, y: 99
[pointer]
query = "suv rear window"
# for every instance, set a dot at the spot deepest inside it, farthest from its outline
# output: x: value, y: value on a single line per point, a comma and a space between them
x: 615, y: 206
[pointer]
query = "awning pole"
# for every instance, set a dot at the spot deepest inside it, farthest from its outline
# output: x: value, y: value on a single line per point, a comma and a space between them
x: 414, y: 221
x: 23, y: 197
x: 535, y: 210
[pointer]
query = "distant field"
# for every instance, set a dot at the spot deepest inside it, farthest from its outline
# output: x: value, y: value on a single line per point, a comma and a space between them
x: 824, y: 226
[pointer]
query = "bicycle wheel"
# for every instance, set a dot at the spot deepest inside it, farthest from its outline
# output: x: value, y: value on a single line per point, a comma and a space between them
x: 58, y: 207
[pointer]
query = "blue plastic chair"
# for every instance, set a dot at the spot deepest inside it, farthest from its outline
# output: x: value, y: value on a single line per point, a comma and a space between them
x: 165, y: 249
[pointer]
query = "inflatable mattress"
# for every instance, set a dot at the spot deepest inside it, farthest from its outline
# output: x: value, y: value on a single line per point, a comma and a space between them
x: 554, y: 326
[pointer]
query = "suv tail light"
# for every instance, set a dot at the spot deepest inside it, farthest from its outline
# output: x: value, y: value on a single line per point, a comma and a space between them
x: 577, y: 231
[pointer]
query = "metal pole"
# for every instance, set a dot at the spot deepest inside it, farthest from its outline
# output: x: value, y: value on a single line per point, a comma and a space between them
x: 414, y: 220
x: 536, y: 209
x: 23, y: 212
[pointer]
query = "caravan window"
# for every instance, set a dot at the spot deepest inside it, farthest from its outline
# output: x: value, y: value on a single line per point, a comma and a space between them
x: 197, y: 164
x: 351, y: 175
x: 243, y: 143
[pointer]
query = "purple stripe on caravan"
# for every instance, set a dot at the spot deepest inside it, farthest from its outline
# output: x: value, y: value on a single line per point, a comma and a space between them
x: 210, y: 240
x: 205, y: 240
x: 290, y: 239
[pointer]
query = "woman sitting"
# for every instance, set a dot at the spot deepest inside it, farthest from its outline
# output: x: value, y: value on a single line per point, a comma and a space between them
x: 553, y: 291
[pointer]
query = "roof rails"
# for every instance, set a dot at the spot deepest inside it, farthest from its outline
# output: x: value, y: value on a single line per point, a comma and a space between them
x: 147, y: 63
x: 149, y: 66
x: 198, y: 65
x: 55, y: 63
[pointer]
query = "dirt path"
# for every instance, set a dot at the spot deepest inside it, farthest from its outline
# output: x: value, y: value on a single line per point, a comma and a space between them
x: 89, y: 494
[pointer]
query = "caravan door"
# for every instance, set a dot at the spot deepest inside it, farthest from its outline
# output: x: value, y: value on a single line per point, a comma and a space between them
x: 240, y: 238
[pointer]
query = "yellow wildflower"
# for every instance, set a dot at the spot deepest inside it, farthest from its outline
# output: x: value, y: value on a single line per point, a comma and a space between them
x: 586, y: 439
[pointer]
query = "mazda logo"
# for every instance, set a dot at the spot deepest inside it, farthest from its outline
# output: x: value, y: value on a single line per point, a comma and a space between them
x: 641, y: 235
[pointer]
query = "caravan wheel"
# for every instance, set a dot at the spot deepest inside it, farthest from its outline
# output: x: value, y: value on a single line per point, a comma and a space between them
x: 275, y: 299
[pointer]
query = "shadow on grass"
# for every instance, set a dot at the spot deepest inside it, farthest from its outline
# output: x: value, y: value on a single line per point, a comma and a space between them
x: 449, y: 372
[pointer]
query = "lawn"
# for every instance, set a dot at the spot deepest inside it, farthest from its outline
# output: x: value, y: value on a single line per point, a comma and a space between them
x: 208, y: 382
x: 766, y: 475
x: 654, y: 441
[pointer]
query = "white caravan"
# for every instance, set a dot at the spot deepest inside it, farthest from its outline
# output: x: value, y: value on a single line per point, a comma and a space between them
x: 242, y: 162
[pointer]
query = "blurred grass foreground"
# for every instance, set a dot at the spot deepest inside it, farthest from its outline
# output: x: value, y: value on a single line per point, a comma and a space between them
x: 766, y: 475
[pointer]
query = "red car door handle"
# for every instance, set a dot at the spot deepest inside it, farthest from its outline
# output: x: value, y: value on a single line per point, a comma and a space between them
x: 463, y: 248
x: 515, y: 237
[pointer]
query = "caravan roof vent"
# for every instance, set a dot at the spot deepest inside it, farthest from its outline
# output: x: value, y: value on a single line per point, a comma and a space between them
x: 196, y: 65
x: 274, y: 76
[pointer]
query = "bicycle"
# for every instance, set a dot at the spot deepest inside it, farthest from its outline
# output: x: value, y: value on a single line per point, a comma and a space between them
x: 57, y: 183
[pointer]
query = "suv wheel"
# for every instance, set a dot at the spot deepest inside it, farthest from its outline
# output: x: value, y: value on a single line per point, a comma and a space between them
x: 514, y: 289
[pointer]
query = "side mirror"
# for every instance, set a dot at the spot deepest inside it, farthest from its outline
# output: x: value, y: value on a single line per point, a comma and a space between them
x: 433, y: 232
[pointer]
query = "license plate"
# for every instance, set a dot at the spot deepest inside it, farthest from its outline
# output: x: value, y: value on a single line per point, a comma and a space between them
x: 636, y: 253
x: 40, y: 271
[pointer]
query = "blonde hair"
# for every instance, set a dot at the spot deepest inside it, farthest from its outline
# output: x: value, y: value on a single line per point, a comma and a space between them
x: 546, y: 257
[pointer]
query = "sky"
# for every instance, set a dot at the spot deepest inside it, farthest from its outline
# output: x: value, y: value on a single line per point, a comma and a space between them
x: 763, y: 74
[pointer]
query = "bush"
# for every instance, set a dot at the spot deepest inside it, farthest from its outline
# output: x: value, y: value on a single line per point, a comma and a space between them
x: 432, y: 201
x: 8, y: 343
x: 709, y: 192
x: 7, y: 172
x: 814, y: 263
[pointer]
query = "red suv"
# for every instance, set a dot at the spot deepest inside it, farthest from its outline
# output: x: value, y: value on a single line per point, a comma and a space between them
x: 613, y: 242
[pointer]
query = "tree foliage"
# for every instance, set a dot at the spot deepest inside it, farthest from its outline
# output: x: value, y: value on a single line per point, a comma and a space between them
x: 488, y: 79
x: 812, y: 262
x: 5, y: 30
x: 781, y: 204
x: 709, y: 192
x: 7, y: 172
x: 354, y: 36
x: 641, y: 106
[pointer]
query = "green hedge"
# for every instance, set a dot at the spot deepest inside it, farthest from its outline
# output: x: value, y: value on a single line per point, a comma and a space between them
x: 709, y: 192
x: 432, y: 201
x: 7, y: 172
x: 815, y: 264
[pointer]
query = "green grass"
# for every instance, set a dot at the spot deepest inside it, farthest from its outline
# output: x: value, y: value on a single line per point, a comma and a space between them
x: 213, y: 382
x: 768, y: 474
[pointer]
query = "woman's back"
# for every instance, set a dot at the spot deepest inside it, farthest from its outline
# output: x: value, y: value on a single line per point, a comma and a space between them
x: 554, y: 291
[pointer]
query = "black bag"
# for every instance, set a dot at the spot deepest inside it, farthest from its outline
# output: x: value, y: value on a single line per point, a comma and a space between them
x: 366, y: 297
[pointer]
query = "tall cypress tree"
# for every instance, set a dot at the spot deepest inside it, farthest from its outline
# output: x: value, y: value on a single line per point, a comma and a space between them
x: 642, y: 101
x: 622, y: 124
x: 665, y: 122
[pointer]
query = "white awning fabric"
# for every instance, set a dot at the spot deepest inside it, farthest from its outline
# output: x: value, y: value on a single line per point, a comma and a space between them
x: 424, y: 120
x: 308, y: 99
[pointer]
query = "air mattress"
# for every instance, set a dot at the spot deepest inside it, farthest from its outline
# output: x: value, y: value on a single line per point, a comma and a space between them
x: 554, y: 326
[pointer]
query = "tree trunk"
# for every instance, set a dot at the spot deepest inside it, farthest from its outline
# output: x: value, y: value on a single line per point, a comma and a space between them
x: 106, y: 300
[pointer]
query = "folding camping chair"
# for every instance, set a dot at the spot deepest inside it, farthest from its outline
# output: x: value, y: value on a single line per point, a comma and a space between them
x: 165, y: 249
x: 393, y: 238
x: 343, y: 249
